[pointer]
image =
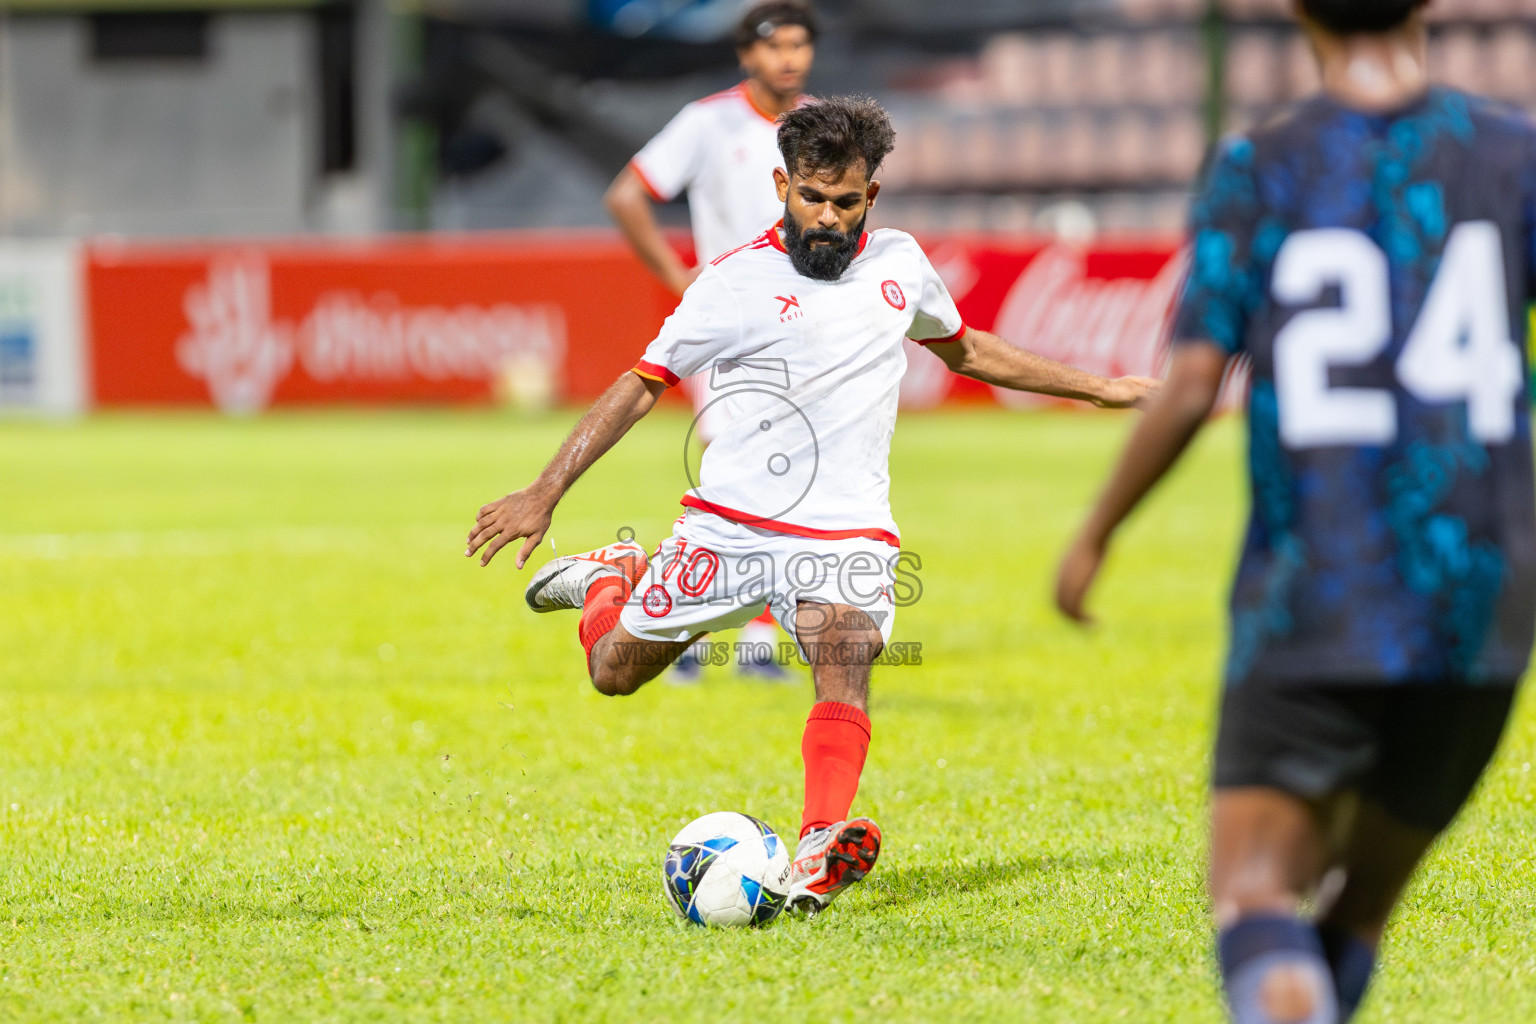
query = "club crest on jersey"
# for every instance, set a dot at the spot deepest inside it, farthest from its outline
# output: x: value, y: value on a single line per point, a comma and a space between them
x: 791, y: 310
x: 656, y: 602
x: 892, y: 292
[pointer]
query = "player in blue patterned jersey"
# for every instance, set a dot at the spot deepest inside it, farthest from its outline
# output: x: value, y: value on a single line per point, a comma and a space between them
x: 1372, y: 253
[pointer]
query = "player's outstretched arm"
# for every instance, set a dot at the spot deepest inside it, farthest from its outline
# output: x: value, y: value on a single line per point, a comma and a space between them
x: 527, y: 513
x: 1172, y: 420
x: 990, y: 359
x: 630, y: 205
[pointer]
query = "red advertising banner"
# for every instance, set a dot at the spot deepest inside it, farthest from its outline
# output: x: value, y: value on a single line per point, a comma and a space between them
x: 244, y: 326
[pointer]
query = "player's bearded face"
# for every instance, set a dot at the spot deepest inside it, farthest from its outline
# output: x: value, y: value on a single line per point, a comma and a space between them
x: 824, y: 214
x: 820, y: 253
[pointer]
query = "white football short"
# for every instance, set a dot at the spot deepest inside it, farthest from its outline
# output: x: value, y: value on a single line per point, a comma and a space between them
x: 713, y: 574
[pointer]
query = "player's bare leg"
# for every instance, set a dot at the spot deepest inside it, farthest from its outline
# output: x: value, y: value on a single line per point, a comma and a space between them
x: 841, y: 643
x: 621, y: 662
x: 599, y: 583
x: 1379, y: 857
x: 1269, y: 851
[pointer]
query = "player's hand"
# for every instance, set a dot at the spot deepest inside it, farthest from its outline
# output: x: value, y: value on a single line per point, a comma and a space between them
x: 1075, y: 578
x: 1128, y: 392
x: 522, y: 514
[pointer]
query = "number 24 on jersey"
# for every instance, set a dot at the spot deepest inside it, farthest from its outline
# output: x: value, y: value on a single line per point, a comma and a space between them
x: 1459, y: 350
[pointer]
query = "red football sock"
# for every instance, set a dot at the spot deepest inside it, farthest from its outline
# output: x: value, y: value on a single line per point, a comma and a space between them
x: 600, y: 612
x: 835, y: 744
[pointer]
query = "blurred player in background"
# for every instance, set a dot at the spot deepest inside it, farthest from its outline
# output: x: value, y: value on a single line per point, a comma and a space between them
x: 1372, y: 253
x: 722, y: 150
x: 828, y: 306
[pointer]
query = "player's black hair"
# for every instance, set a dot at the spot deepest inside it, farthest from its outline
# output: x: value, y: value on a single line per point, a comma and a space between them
x: 1360, y: 17
x: 835, y: 133
x: 762, y: 19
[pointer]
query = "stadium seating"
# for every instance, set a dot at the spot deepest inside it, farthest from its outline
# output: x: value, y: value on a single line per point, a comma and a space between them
x: 1113, y: 109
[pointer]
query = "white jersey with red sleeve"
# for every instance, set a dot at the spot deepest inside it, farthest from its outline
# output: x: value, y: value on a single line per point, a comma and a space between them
x: 809, y: 374
x: 722, y: 151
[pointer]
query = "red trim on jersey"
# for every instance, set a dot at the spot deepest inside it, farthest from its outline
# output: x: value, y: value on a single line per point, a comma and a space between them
x: 746, y: 94
x: 651, y: 371
x: 779, y: 526
x: 646, y: 182
x: 760, y: 242
x: 940, y: 341
x: 723, y: 94
x: 740, y: 89
x: 778, y: 239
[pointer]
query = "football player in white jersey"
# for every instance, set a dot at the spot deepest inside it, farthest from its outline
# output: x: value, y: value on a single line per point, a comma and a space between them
x: 722, y: 151
x: 802, y: 332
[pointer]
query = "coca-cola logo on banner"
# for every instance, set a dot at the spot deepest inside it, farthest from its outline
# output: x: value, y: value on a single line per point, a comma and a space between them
x: 1109, y: 326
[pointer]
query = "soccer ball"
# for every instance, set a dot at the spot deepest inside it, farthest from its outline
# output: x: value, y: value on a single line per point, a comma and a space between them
x: 726, y: 869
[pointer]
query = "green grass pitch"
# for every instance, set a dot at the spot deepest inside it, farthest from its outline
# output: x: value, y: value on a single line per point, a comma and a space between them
x: 271, y: 749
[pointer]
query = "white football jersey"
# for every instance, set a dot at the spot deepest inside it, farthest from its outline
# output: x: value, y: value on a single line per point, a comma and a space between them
x: 722, y: 150
x: 808, y: 373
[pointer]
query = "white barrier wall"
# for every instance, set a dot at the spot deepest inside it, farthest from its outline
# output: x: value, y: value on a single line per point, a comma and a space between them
x: 42, y: 349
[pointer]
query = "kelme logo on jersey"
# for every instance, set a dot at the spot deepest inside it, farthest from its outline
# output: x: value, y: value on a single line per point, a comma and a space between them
x: 791, y: 310
x: 892, y: 292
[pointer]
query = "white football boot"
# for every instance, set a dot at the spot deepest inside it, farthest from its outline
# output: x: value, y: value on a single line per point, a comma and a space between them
x: 829, y: 860
x: 562, y: 582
